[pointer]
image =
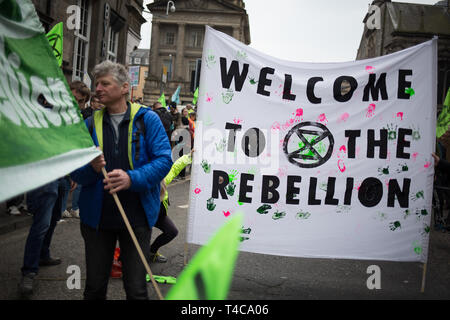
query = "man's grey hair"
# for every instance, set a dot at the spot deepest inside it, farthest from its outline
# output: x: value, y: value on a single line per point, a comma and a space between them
x: 116, y: 70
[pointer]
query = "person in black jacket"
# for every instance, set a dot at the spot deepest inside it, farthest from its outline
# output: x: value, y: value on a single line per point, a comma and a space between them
x: 443, y: 166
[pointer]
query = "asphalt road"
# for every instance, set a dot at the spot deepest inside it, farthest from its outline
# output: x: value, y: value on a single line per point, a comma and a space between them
x: 256, y: 277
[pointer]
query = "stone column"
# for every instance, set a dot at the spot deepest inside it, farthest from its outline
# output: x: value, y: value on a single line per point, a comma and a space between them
x: 179, y: 60
x: 154, y: 50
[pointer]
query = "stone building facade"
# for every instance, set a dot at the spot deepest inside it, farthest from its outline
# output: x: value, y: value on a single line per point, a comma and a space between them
x: 139, y: 60
x: 104, y: 26
x: 403, y: 25
x: 177, y: 41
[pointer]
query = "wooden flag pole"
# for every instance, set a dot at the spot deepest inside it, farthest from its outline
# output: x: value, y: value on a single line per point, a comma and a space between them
x: 424, y: 274
x: 138, y: 247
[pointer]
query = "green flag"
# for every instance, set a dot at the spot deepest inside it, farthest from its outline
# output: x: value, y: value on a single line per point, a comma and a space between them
x: 43, y: 135
x: 195, y: 97
x: 55, y: 38
x: 162, y: 99
x: 443, y: 120
x: 208, y: 275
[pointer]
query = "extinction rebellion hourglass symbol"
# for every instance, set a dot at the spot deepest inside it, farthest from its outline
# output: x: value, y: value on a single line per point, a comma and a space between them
x: 53, y: 39
x: 308, y: 145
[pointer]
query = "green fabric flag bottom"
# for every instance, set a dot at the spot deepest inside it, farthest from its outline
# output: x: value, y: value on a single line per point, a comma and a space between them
x: 43, y: 135
x: 208, y: 275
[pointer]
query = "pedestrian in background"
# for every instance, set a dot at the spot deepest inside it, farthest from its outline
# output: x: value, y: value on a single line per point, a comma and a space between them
x: 45, y: 204
x: 164, y: 223
x: 82, y: 94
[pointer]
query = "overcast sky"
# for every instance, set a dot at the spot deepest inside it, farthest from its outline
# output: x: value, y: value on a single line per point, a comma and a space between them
x: 302, y: 30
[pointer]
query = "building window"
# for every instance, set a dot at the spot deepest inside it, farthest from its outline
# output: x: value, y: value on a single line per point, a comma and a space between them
x: 196, y: 39
x: 81, y: 45
x: 145, y: 74
x: 137, y: 60
x: 192, y: 66
x: 167, y: 65
x: 112, y: 45
x: 170, y: 38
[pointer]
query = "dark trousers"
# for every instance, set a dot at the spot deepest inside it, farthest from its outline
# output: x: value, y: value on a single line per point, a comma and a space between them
x: 169, y: 232
x: 99, y: 251
x: 45, y: 205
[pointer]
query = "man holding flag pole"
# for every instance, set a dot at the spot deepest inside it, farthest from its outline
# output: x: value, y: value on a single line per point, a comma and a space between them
x: 136, y: 156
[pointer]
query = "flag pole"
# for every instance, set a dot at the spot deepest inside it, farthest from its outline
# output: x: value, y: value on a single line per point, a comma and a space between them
x: 138, y: 247
x: 424, y: 276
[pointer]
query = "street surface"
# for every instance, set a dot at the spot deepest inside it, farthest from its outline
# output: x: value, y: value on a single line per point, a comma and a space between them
x: 256, y: 277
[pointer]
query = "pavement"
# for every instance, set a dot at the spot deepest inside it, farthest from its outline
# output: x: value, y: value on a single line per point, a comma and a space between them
x: 256, y: 276
x: 9, y: 223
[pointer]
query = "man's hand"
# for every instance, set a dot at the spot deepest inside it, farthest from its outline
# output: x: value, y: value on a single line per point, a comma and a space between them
x: 98, y: 163
x: 117, y: 180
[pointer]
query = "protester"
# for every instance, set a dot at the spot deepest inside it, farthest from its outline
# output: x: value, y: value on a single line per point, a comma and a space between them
x: 185, y: 118
x: 189, y: 108
x: 192, y: 118
x: 176, y: 116
x: 164, y: 223
x: 165, y: 118
x: 45, y: 204
x: 134, y: 176
x: 70, y: 186
x: 93, y: 106
x: 184, y: 126
x: 443, y: 166
x: 82, y: 94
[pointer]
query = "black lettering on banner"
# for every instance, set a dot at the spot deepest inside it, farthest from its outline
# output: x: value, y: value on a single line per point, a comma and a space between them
x: 233, y: 73
x: 292, y: 190
x: 337, y: 88
x: 220, y: 184
x: 312, y: 200
x: 348, y: 192
x: 287, y: 88
x: 310, y: 90
x: 263, y: 81
x: 253, y: 142
x: 372, y: 143
x: 331, y: 186
x: 403, y: 84
x: 232, y: 136
x: 370, y: 192
x: 402, y: 143
x: 351, y: 145
x: 270, y: 185
x: 244, y: 188
x: 402, y: 195
x: 380, y: 87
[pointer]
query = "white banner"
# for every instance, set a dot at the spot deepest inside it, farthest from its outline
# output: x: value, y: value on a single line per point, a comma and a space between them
x: 324, y: 159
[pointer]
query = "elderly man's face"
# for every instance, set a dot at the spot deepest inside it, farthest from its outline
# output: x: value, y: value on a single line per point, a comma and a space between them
x: 108, y: 90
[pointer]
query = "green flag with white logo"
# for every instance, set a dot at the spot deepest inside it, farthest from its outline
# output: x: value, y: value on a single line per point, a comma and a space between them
x: 43, y: 135
x: 208, y: 276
